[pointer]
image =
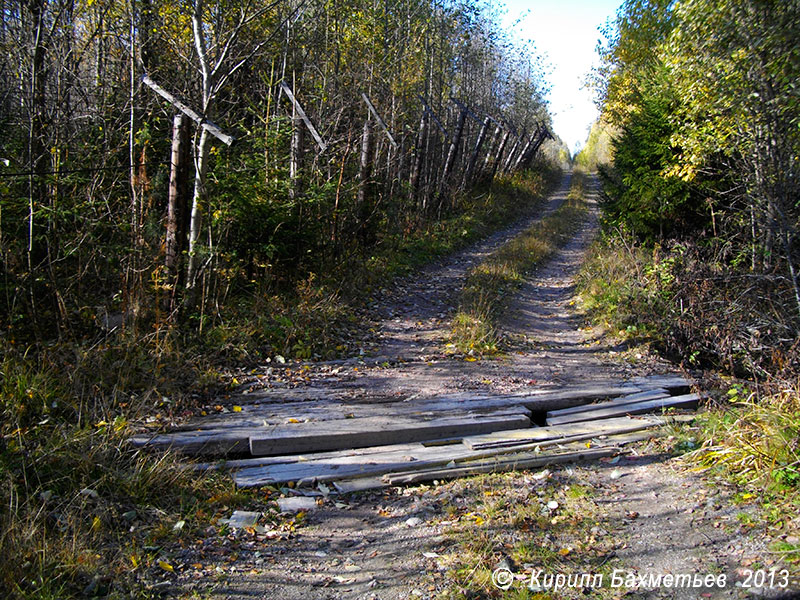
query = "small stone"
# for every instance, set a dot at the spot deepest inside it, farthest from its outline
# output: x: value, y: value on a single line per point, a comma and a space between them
x: 296, y: 504
x: 413, y: 522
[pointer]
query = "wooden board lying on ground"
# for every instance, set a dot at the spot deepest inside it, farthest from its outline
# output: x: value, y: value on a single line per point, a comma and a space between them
x: 610, y: 409
x: 499, y: 465
x: 237, y: 440
x: 328, y: 466
x: 537, y: 435
x: 375, y: 431
x: 615, y: 442
x: 656, y: 394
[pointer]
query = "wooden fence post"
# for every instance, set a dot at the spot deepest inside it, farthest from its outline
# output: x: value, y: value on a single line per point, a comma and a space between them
x: 177, y: 215
x: 487, y: 162
x: 419, y: 158
x: 452, y: 154
x: 364, y: 173
x: 510, y: 159
x: 524, y: 153
x: 543, y: 135
x: 499, y: 156
x: 476, y: 150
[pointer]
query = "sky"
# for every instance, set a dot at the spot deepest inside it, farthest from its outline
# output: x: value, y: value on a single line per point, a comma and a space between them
x: 565, y: 32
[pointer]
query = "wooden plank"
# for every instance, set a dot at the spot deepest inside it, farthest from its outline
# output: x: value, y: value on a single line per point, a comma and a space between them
x: 341, y: 465
x: 200, y: 120
x: 381, y: 122
x: 499, y: 465
x: 466, y: 108
x: 672, y: 383
x: 228, y: 437
x: 215, y: 442
x: 314, y: 133
x: 570, y: 432
x: 372, y: 431
x: 612, y: 410
x: 329, y: 466
x: 268, y: 417
x: 620, y: 401
x: 574, y: 397
x: 436, y: 120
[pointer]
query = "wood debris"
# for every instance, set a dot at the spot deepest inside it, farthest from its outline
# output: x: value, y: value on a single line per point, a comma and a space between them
x: 361, y: 446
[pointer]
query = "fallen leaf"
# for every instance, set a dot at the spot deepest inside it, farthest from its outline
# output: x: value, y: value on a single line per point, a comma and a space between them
x: 166, y: 566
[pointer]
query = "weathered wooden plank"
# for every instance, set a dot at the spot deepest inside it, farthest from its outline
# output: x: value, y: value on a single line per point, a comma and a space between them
x: 363, y: 484
x: 213, y: 442
x: 231, y: 436
x: 372, y: 431
x: 613, y: 410
x: 197, y: 118
x: 436, y: 120
x: 607, y: 446
x: 574, y: 397
x: 269, y: 417
x: 672, y: 383
x: 570, y: 432
x: 330, y: 466
x: 315, y: 134
x: 381, y: 122
x: 499, y: 465
x: 620, y: 401
x: 340, y: 465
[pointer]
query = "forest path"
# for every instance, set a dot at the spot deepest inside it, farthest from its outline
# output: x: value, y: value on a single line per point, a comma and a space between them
x: 652, y: 515
x: 406, y: 355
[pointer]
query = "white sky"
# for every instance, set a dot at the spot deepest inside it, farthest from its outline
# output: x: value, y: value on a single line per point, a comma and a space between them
x: 565, y: 32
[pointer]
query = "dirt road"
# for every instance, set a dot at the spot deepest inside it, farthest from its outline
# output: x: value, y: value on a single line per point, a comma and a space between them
x: 651, y: 515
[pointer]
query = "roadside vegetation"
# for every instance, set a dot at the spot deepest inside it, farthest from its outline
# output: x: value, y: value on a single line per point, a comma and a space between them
x: 489, y: 285
x: 699, y: 254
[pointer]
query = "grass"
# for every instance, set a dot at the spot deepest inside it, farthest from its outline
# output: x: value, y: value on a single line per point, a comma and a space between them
x: 754, y: 442
x: 489, y: 284
x: 504, y: 519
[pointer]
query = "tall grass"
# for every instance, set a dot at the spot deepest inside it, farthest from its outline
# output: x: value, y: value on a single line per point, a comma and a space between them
x: 757, y: 438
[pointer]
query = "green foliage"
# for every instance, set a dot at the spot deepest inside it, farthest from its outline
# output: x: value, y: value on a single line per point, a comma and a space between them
x: 598, y: 150
x: 641, y: 192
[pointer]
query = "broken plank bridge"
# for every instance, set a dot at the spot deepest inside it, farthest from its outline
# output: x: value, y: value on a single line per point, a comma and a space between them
x: 359, y: 445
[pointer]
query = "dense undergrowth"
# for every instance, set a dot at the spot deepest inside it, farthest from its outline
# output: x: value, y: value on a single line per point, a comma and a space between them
x: 489, y: 284
x: 83, y: 514
x: 739, y: 331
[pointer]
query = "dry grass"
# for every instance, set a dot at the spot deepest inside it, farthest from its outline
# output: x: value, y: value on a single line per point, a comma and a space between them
x: 757, y: 438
